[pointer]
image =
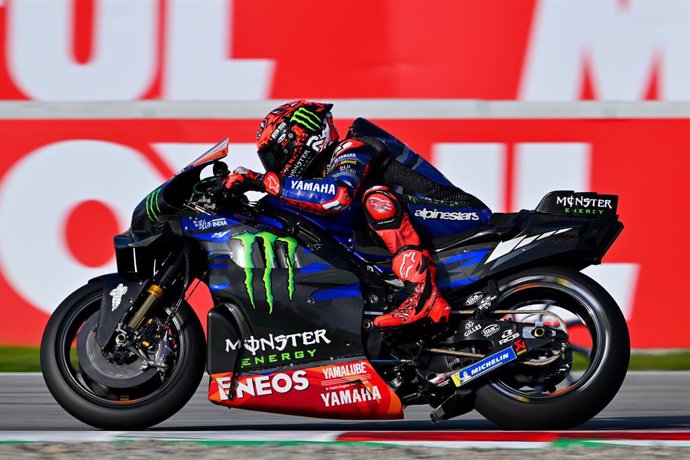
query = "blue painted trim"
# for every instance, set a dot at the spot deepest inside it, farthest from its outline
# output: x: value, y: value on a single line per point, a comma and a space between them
x: 219, y: 286
x: 349, y: 290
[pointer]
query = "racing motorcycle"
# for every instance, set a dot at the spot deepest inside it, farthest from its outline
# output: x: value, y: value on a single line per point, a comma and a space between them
x: 532, y: 343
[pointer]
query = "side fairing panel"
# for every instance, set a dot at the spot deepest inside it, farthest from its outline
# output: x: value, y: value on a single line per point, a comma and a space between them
x: 459, y: 267
x: 455, y: 267
x: 348, y: 390
x: 540, y: 239
x: 297, y: 307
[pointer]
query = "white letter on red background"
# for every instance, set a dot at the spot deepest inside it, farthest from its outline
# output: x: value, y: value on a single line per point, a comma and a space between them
x: 34, y: 256
x: 124, y: 51
x: 198, y: 64
x: 38, y: 193
x: 622, y: 41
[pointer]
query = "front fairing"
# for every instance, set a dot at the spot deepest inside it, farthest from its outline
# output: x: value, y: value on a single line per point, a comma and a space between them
x: 165, y: 204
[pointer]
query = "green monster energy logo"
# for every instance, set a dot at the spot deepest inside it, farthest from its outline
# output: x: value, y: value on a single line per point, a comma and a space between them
x: 306, y: 118
x: 152, y: 208
x: 268, y: 240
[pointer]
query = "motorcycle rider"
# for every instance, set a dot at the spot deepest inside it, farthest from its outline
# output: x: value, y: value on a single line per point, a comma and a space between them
x: 308, y: 166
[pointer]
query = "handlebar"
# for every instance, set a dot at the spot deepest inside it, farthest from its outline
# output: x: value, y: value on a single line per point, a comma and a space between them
x: 215, y: 191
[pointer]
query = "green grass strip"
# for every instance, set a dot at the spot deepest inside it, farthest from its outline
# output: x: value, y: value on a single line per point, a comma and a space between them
x: 674, y: 361
x: 19, y: 359
x: 26, y: 359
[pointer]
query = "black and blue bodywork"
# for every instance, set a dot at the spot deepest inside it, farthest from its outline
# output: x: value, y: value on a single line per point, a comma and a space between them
x: 271, y: 267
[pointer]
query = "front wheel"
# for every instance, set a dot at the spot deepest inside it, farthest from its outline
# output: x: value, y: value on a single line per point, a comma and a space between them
x: 126, y: 394
x: 572, y: 390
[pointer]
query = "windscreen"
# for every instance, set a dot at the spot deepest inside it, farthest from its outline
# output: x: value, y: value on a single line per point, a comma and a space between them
x: 218, y: 151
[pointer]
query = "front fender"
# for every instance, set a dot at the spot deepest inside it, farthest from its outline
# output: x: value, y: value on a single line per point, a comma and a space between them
x: 119, y: 295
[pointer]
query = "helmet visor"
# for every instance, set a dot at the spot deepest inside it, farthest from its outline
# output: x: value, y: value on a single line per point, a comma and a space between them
x: 272, y: 158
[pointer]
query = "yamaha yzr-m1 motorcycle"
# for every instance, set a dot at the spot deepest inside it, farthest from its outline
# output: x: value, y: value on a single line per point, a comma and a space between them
x: 532, y: 343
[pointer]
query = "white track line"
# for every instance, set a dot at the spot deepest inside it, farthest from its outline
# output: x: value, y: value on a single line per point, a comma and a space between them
x: 110, y: 436
x: 330, y: 437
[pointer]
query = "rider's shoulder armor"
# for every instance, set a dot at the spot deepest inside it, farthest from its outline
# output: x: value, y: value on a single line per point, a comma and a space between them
x: 351, y: 151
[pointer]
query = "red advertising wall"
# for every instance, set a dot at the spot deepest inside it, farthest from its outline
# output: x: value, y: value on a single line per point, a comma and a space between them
x: 66, y: 186
x: 272, y: 49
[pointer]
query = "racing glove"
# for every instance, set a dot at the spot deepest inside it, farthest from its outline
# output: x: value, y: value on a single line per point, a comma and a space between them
x: 243, y: 179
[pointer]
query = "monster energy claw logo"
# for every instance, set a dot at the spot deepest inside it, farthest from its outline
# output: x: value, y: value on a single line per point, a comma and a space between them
x: 152, y: 208
x: 268, y: 241
x: 306, y: 118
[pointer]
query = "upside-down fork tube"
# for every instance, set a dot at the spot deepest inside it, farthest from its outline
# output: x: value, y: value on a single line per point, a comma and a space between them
x: 156, y: 292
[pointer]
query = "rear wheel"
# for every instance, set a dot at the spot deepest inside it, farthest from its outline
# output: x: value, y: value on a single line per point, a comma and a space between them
x: 571, y: 390
x: 116, y: 390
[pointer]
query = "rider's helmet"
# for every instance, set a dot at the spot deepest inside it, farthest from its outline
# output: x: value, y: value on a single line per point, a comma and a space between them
x: 293, y: 135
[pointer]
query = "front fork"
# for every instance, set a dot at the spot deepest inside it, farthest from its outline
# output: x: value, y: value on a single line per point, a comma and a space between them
x: 132, y: 336
x: 156, y: 292
x: 129, y: 332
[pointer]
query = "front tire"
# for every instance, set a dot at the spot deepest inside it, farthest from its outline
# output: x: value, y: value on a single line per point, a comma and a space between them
x: 77, y: 398
x: 511, y: 408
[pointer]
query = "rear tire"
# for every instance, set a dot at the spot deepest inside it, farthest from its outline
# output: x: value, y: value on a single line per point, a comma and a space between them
x: 608, y: 368
x: 116, y: 415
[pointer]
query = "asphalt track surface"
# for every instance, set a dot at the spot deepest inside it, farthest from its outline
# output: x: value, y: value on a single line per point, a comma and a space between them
x: 647, y: 401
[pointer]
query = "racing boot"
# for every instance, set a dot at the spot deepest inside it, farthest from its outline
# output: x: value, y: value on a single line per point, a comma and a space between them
x: 413, y: 265
x: 416, y: 269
